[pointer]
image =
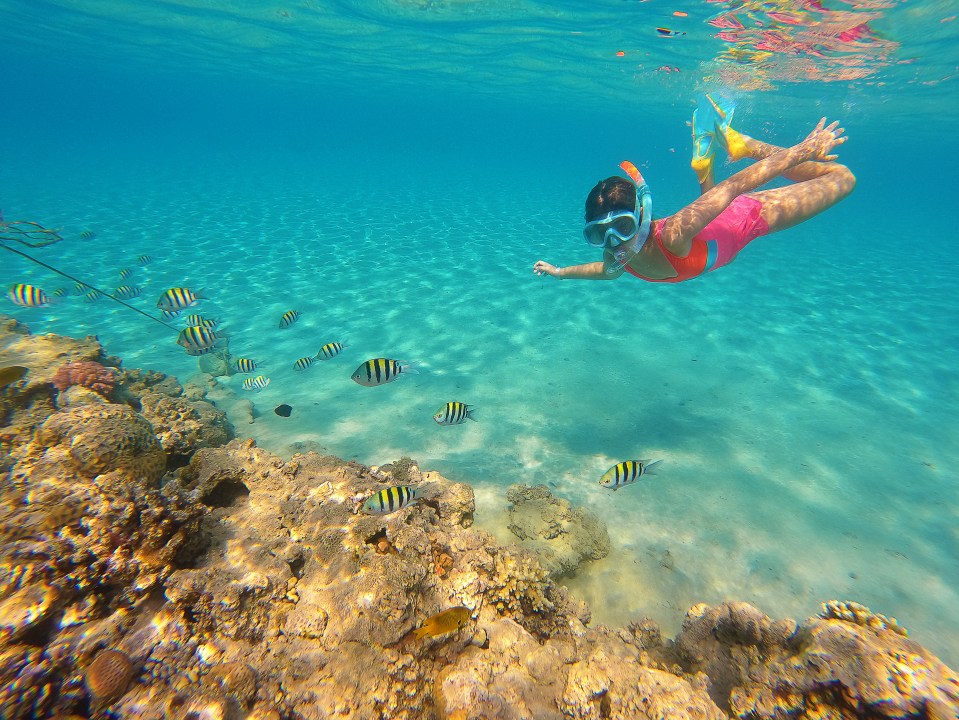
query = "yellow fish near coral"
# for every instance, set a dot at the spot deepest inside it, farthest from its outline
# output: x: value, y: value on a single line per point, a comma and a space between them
x: 11, y: 374
x: 442, y: 623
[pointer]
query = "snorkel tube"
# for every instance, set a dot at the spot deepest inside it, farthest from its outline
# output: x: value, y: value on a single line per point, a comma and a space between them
x: 627, y: 251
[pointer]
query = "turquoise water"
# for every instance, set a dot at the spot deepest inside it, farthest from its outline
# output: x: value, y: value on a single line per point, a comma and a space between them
x: 393, y: 170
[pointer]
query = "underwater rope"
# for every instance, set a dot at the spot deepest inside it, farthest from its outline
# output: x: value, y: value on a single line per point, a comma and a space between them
x: 37, y: 232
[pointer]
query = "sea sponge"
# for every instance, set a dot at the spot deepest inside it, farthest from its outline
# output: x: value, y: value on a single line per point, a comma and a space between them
x: 88, y: 374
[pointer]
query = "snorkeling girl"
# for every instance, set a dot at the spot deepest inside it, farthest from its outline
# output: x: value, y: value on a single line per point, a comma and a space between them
x: 710, y: 231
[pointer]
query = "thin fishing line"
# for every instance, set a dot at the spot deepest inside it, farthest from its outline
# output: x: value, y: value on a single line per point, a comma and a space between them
x: 86, y: 284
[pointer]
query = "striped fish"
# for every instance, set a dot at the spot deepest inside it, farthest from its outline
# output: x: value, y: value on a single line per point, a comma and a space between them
x: 79, y: 288
x: 390, y: 500
x: 87, y: 235
x: 330, y: 350
x: 195, y: 352
x: 303, y: 363
x: 454, y: 413
x: 60, y: 292
x: 197, y: 337
x: 627, y: 472
x: 244, y: 365
x: 200, y: 321
x: 379, y: 371
x: 289, y: 317
x: 126, y: 291
x: 144, y: 260
x: 171, y: 314
x: 179, y: 298
x: 125, y: 273
x: 257, y: 383
x: 92, y: 296
x: 28, y: 296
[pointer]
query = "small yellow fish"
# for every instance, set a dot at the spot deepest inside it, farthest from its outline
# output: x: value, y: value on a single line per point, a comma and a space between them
x: 444, y: 622
x: 10, y: 374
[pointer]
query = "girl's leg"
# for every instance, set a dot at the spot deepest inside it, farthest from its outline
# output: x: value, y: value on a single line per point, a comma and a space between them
x: 816, y: 187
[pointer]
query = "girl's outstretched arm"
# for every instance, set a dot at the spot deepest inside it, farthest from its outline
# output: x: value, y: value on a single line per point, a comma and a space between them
x: 680, y: 229
x: 587, y: 271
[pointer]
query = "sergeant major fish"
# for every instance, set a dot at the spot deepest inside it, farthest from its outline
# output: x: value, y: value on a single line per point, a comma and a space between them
x: 197, y: 337
x: 627, y: 472
x: 244, y: 365
x: 28, y: 296
x: 454, y: 413
x: 257, y: 383
x: 330, y: 350
x: 304, y: 362
x: 179, y: 298
x: 390, y: 500
x: 125, y: 292
x: 379, y: 371
x: 288, y: 318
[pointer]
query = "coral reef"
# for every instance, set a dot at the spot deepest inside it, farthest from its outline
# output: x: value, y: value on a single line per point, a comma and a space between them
x: 560, y: 536
x: 165, y: 577
x: 88, y: 374
x: 829, y: 667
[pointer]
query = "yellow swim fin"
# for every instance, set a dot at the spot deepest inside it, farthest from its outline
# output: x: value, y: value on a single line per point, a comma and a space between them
x: 732, y: 141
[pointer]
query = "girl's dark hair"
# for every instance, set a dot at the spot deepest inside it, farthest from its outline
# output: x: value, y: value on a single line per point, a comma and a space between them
x: 613, y: 193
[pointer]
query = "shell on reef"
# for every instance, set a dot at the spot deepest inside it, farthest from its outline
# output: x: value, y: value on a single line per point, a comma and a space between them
x: 109, y: 675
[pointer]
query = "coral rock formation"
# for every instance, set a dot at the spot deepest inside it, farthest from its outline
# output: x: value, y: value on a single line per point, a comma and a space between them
x: 830, y: 667
x: 169, y: 580
x: 561, y: 536
x: 86, y: 373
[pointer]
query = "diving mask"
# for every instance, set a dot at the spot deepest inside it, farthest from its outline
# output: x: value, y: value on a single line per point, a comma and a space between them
x: 623, y: 232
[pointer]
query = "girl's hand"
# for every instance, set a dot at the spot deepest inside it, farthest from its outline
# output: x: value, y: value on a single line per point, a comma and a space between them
x: 821, y: 140
x: 544, y: 268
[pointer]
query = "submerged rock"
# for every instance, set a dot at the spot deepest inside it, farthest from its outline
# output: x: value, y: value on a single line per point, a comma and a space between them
x: 560, y: 535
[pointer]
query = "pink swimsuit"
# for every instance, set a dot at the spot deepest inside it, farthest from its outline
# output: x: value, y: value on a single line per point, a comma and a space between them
x: 717, y: 244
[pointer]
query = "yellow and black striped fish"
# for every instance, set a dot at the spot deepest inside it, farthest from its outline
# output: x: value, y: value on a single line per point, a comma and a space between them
x: 390, y: 500
x: 79, y: 288
x: 289, y: 317
x: 127, y: 291
x: 303, y: 363
x: 379, y: 371
x: 171, y: 314
x: 60, y: 292
x: 627, y: 472
x: 87, y: 235
x: 92, y: 296
x: 144, y: 260
x: 331, y: 349
x: 200, y: 321
x: 179, y: 298
x: 125, y: 273
x: 28, y: 296
x: 244, y: 365
x: 195, y: 352
x: 257, y: 383
x: 197, y: 337
x: 454, y: 413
